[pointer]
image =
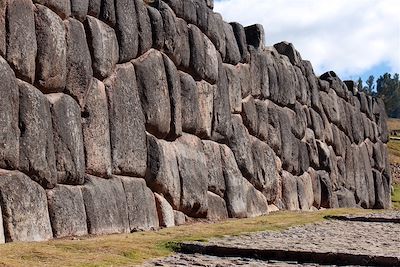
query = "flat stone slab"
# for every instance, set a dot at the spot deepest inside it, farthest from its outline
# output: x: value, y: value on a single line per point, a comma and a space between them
x: 333, y: 242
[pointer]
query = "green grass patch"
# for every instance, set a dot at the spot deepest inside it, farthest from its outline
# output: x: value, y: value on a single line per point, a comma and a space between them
x: 396, y: 196
x: 394, y: 151
x: 134, y: 249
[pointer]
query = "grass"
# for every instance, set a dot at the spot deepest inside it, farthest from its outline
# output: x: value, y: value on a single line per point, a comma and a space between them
x: 394, y: 124
x: 134, y: 249
x: 394, y: 151
x: 396, y: 197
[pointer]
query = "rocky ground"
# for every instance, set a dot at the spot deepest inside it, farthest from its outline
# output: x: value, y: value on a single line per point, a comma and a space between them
x: 358, y: 240
x: 395, y: 172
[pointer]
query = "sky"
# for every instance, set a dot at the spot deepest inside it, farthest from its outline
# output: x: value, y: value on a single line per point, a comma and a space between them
x: 354, y: 38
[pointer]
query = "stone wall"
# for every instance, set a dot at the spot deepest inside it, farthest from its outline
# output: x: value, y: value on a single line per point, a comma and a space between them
x: 127, y: 115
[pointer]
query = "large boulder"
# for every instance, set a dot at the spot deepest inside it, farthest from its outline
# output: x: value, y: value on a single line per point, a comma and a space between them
x: 153, y: 91
x: 21, y: 39
x: 108, y: 11
x: 68, y: 139
x: 36, y: 150
x: 305, y: 191
x: 290, y: 196
x: 189, y: 103
x: 316, y: 187
x: 96, y: 131
x: 79, y: 9
x: 127, y: 30
x: 67, y: 211
x: 24, y: 207
x: 240, y: 36
x: 103, y: 46
x: 3, y: 33
x: 216, y: 207
x: 51, y: 50
x: 216, y: 182
x: 206, y: 93
x: 193, y: 172
x: 255, y: 35
x: 144, y: 27
x: 142, y: 211
x: 9, y: 105
x: 232, y: 55
x: 79, y: 61
x: 235, y: 87
x: 216, y: 33
x: 157, y: 27
x: 106, y: 206
x: 128, y: 144
x: 166, y: 215
x: 162, y: 174
x: 61, y: 7
x: 2, y: 237
x: 346, y: 198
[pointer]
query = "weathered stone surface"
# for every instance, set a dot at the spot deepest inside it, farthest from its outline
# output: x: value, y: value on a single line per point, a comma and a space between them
x: 216, y: 207
x: 21, y: 39
x: 216, y: 33
x: 190, y: 103
x: 96, y: 131
x: 240, y: 36
x: 203, y: 55
x: 330, y: 104
x: 165, y: 212
x: 289, y: 191
x: 103, y: 46
x: 264, y: 128
x: 142, y: 211
x: 382, y: 199
x: 60, y: 7
x: 261, y: 71
x: 94, y: 8
x: 153, y: 90
x: 174, y: 89
x: 3, y: 33
x: 128, y: 144
x: 266, y: 177
x: 9, y: 105
x: 105, y: 205
x: 79, y: 9
x: 109, y: 11
x: 157, y: 27
x: 67, y: 211
x: 216, y: 182
x: 328, y: 197
x: 68, y: 139
x: 2, y: 237
x: 255, y: 35
x: 127, y: 30
x: 25, y: 214
x: 51, y: 50
x: 79, y: 62
x: 312, y: 148
x: 250, y: 115
x: 144, y: 27
x: 179, y: 218
x: 162, y: 175
x: 316, y: 186
x: 288, y: 50
x: 305, y: 191
x: 232, y: 55
x: 234, y: 87
x: 36, y: 150
x: 193, y: 173
x: 206, y: 93
x: 346, y: 198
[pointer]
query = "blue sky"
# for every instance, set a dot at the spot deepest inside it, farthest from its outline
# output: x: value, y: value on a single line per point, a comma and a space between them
x: 354, y: 38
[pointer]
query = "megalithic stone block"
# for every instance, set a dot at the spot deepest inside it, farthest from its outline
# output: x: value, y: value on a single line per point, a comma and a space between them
x: 255, y: 35
x: 216, y: 182
x: 289, y: 191
x: 79, y: 9
x: 37, y: 156
x: 68, y: 139
x: 103, y: 45
x: 61, y: 7
x: 3, y: 7
x: 128, y: 144
x: 157, y: 27
x: 144, y: 27
x: 67, y: 211
x: 126, y: 29
x: 2, y: 237
x: 216, y: 207
x: 51, y: 58
x: 21, y: 39
x: 165, y: 212
x: 24, y: 207
x: 96, y: 131
x: 9, y: 106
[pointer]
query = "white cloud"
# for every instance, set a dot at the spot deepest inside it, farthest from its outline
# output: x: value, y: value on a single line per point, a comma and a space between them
x: 349, y: 37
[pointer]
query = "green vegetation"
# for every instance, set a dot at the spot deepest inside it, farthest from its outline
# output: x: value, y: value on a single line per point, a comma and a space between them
x: 396, y: 197
x: 135, y: 248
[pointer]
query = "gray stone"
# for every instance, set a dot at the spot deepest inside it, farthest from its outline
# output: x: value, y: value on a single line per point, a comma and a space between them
x: 203, y: 55
x: 289, y: 191
x: 142, y: 211
x: 165, y: 212
x: 105, y: 205
x: 330, y: 104
x: 153, y: 90
x: 202, y: 12
x: 206, y: 93
x: 67, y: 211
x: 288, y: 50
x: 144, y: 27
x: 36, y: 150
x: 305, y: 191
x: 240, y: 36
x: 381, y: 192
x: 96, y: 131
x: 299, y: 119
x: 366, y: 181
x: 3, y: 33
x: 2, y: 237
x: 216, y: 182
x: 312, y: 148
x: 190, y: 103
x: 316, y: 186
x: 51, y: 50
x: 250, y: 115
x: 193, y: 173
x: 157, y: 27
x: 174, y: 89
x: 24, y: 207
x: 346, y: 198
x: 189, y: 11
x: 232, y: 55
x: 234, y: 88
x: 127, y: 30
x: 263, y: 116
x: 68, y: 139
x: 94, y: 8
x: 103, y: 46
x: 21, y: 39
x: 79, y: 9
x: 317, y: 124
x: 9, y: 105
x: 79, y: 62
x: 128, y: 144
x: 61, y: 7
x: 259, y: 73
x: 162, y: 175
x: 216, y: 207
x: 216, y: 33
x: 257, y: 204
x: 109, y: 11
x: 327, y: 194
x: 255, y: 35
x: 266, y: 177
x: 179, y: 218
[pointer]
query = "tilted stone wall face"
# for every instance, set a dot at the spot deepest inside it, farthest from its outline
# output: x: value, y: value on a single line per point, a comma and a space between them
x: 128, y: 115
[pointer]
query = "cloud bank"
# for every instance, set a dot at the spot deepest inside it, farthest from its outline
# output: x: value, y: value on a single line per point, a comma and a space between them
x: 350, y: 37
